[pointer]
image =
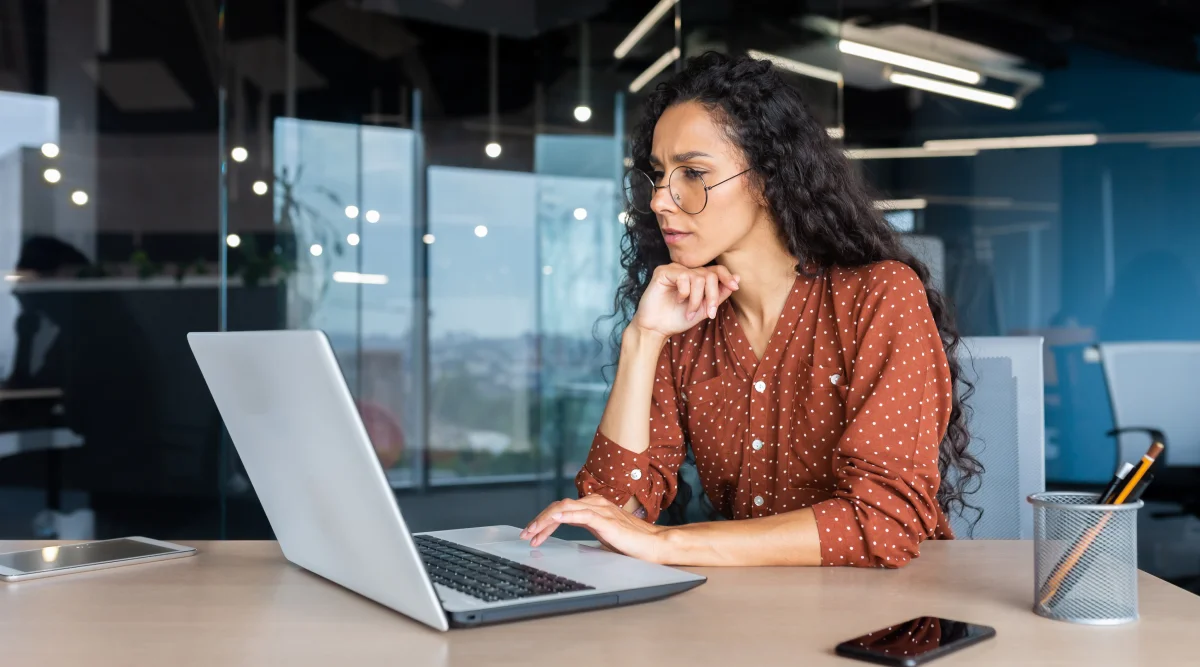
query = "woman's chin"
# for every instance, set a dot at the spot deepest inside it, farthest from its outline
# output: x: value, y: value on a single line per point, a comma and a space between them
x: 691, y: 260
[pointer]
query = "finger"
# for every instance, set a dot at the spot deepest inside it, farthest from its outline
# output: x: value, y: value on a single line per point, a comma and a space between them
x: 584, y: 517
x: 542, y: 519
x: 711, y: 293
x: 683, y: 284
x: 696, y: 299
x: 726, y: 276
x: 545, y: 533
x: 725, y: 292
x: 666, y: 275
x: 552, y: 522
x: 542, y: 516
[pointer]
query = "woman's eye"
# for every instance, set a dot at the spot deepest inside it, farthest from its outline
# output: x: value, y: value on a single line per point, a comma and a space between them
x: 691, y: 174
x: 656, y: 176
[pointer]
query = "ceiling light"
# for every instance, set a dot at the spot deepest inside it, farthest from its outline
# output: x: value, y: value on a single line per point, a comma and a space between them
x: 654, y: 69
x: 639, y: 31
x: 909, y: 62
x: 239, y: 154
x: 372, y: 216
x: 360, y: 278
x: 547, y: 270
x: 481, y: 231
x: 797, y: 67
x: 580, y: 214
x: 79, y: 197
x: 835, y: 132
x: 259, y: 187
x: 316, y: 249
x: 623, y: 218
x: 351, y: 211
x: 583, y: 113
x: 428, y: 239
x: 49, y: 149
x: 899, y: 153
x: 953, y: 90
x: 999, y: 143
x: 52, y: 175
x: 352, y: 238
x: 900, y: 204
x: 492, y: 149
x: 233, y: 240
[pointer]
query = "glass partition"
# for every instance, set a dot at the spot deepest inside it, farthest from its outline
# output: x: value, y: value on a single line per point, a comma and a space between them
x: 108, y: 257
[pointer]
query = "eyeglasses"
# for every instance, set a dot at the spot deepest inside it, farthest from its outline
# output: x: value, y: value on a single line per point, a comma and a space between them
x: 685, y: 185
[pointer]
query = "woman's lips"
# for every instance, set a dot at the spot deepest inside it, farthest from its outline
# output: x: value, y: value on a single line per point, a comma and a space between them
x: 672, y: 236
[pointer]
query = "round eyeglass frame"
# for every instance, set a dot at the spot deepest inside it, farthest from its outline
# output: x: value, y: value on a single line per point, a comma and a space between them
x: 636, y: 173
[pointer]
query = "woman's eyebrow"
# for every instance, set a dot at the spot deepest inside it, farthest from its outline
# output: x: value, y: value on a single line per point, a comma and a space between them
x: 690, y: 155
x: 681, y: 157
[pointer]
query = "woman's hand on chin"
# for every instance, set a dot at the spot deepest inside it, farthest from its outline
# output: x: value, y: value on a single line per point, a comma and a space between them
x: 677, y: 297
x: 616, y: 529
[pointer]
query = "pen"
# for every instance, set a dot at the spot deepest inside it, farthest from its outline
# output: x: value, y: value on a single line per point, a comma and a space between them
x: 1050, y: 591
x: 1111, y: 490
x: 1140, y: 489
x: 1147, y: 461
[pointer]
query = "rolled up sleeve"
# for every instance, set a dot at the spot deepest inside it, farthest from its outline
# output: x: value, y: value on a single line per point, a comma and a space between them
x: 897, y: 411
x: 652, y: 476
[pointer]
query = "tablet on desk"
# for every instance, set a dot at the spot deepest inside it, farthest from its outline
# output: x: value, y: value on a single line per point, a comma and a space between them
x: 67, y: 559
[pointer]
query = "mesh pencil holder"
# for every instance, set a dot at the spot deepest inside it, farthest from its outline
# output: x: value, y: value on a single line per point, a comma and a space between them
x: 1085, y: 559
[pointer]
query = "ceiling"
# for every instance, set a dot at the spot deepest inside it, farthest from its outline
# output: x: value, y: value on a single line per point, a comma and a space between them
x: 363, y: 56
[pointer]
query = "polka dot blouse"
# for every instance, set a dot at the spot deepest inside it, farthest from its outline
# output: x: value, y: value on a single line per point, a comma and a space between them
x: 844, y: 414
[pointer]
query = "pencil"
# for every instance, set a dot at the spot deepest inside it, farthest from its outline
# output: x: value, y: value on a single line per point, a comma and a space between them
x: 1147, y: 461
x: 1061, y: 572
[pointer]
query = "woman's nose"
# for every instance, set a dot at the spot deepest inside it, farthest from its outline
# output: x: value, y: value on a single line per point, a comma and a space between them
x: 661, y: 201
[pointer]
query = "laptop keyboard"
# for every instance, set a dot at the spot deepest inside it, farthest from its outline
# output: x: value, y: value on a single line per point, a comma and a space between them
x: 487, y: 577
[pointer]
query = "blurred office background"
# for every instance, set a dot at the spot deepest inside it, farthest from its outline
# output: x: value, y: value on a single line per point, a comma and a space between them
x: 436, y: 184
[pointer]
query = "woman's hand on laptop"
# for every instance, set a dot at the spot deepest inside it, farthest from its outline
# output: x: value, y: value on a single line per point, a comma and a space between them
x: 616, y: 529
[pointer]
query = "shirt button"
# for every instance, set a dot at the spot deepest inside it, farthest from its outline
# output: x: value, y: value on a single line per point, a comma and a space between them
x: 758, y: 501
x: 833, y: 379
x: 635, y: 474
x: 760, y: 386
x: 757, y: 445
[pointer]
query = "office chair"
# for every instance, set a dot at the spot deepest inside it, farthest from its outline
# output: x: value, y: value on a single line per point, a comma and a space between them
x: 1153, y: 388
x: 1005, y: 417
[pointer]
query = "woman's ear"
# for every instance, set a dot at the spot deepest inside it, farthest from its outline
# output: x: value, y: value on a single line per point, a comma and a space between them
x: 757, y: 190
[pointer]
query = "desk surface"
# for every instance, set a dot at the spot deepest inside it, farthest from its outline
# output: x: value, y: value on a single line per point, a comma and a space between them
x: 240, y: 603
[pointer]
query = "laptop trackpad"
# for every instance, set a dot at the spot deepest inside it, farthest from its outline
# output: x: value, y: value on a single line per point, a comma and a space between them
x: 520, y: 549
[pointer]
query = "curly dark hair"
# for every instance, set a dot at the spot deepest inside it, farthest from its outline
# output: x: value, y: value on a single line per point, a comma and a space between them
x: 825, y: 213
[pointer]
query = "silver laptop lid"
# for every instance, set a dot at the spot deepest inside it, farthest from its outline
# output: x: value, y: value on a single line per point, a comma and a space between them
x: 296, y: 428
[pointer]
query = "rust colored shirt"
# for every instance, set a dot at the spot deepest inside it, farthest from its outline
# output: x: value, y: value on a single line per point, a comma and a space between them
x: 844, y: 414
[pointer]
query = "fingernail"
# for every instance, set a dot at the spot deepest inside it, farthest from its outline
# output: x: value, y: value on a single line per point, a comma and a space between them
x: 712, y: 311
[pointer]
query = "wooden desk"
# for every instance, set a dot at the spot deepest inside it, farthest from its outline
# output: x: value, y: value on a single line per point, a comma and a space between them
x: 240, y: 603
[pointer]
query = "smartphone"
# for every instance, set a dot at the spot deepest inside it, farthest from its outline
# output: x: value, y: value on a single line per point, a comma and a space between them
x: 70, y: 558
x: 915, y: 642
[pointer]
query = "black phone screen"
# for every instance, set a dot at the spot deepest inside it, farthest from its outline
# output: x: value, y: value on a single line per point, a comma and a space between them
x: 915, y: 641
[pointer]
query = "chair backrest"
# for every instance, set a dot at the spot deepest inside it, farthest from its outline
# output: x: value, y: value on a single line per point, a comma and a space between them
x: 1005, y: 417
x: 1155, y: 385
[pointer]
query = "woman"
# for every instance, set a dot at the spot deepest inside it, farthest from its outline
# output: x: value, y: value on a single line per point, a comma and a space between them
x: 783, y: 332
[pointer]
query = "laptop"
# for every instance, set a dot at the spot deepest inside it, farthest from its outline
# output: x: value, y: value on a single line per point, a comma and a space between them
x: 298, y: 432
